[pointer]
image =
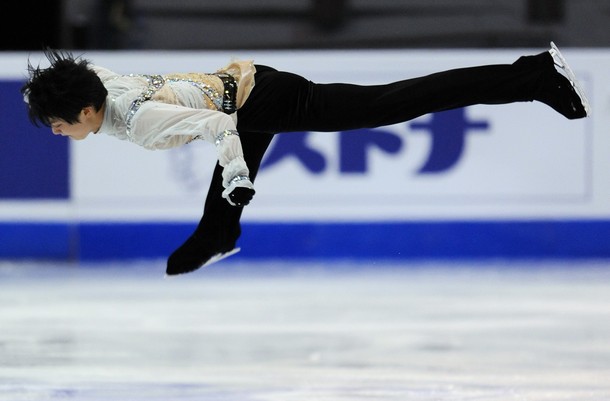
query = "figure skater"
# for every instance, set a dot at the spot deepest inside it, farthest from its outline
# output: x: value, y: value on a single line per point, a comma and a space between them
x: 240, y: 107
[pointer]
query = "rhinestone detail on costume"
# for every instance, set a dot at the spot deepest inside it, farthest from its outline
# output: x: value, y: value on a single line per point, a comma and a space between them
x: 239, y: 178
x: 198, y: 81
x: 155, y: 82
x: 220, y: 137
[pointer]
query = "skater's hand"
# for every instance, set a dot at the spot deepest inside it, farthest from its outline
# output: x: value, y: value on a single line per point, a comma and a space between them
x: 240, y: 196
x: 239, y: 192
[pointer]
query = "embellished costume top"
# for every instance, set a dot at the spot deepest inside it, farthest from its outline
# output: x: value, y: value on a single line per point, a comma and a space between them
x: 164, y: 111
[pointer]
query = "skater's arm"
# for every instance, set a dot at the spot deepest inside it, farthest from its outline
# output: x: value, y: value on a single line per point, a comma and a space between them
x: 159, y: 126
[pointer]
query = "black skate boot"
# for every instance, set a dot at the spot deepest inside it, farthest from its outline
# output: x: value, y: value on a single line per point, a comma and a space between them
x: 196, y: 252
x: 562, y: 91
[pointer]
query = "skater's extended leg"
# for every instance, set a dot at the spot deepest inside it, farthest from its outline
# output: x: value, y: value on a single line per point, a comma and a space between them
x: 284, y: 102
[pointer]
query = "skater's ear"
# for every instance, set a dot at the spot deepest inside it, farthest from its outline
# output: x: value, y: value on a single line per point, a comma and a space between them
x: 88, y: 111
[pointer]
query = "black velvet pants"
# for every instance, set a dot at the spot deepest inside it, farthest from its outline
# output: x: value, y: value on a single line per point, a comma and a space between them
x: 282, y: 102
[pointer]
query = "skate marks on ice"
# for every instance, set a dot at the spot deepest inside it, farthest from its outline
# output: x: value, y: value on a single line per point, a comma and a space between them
x: 295, y: 332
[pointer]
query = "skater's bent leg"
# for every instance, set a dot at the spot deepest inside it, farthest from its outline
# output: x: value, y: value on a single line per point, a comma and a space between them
x: 219, y: 227
x: 221, y: 220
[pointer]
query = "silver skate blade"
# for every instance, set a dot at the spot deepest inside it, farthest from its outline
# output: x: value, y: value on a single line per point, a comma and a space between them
x: 562, y: 65
x: 220, y: 256
x: 214, y: 259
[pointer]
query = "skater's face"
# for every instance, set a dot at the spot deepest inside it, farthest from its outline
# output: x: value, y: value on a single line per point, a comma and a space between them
x: 87, y: 124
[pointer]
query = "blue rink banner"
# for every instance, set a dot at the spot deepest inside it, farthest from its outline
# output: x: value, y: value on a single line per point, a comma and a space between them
x: 513, y: 180
x: 317, y: 241
x: 33, y: 164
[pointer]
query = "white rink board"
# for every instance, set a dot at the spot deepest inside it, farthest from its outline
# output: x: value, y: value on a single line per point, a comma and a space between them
x: 529, y: 162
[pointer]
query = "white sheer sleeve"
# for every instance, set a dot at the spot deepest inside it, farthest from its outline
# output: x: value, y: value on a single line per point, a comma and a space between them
x: 160, y: 125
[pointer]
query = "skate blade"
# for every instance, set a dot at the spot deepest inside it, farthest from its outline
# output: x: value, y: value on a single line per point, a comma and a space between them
x: 220, y: 256
x: 562, y: 64
x: 214, y: 259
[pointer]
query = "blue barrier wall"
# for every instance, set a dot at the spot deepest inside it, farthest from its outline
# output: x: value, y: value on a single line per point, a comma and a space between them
x: 391, y: 241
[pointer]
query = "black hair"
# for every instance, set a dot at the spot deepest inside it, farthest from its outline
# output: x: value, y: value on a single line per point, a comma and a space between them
x: 62, y: 90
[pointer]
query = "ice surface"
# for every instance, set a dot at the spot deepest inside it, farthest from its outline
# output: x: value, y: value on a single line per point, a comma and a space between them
x: 240, y: 331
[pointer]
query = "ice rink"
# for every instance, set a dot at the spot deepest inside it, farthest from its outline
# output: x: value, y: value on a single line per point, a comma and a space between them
x: 285, y: 331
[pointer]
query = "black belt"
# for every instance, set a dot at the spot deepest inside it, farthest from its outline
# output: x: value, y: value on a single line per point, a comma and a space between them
x: 229, y: 96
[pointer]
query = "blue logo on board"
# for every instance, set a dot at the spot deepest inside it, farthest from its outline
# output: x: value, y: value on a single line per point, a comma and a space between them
x: 448, y: 132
